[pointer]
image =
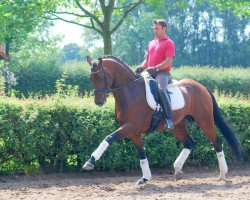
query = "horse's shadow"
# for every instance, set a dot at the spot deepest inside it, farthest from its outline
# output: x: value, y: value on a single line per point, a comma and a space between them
x: 153, y: 187
x: 191, y: 187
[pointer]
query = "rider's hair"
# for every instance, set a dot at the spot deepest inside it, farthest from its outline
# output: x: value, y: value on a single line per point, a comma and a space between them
x: 162, y: 22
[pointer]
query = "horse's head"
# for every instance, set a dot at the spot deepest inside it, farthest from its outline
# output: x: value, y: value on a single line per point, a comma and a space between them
x: 101, y: 79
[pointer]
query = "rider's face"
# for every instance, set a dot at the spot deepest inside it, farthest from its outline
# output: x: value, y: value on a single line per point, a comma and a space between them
x: 159, y: 31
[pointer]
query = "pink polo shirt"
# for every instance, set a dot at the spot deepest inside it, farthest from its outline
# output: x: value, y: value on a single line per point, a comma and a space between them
x: 159, y: 50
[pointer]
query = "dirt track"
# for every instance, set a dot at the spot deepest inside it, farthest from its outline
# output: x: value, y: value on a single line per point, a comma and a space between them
x: 197, y: 184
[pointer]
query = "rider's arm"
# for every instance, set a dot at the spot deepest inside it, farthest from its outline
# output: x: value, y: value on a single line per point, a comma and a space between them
x: 144, y: 64
x: 167, y: 62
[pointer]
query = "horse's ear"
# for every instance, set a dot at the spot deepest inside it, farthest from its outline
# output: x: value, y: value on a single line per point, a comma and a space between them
x: 100, y: 62
x: 89, y: 60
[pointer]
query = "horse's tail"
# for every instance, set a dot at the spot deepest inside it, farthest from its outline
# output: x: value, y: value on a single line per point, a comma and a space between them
x: 227, y: 132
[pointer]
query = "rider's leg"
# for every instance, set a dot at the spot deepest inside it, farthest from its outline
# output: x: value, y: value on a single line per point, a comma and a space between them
x: 163, y: 78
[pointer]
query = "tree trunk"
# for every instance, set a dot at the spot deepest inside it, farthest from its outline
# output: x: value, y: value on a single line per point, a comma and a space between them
x: 107, y: 42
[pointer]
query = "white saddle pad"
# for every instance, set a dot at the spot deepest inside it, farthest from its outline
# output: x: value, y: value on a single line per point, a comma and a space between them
x: 177, y: 99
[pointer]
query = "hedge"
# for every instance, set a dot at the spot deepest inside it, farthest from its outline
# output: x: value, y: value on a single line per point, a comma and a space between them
x: 235, y: 79
x: 59, y: 135
x: 41, y: 77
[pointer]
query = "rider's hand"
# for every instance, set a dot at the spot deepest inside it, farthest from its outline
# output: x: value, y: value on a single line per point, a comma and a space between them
x: 152, y: 71
x: 139, y: 70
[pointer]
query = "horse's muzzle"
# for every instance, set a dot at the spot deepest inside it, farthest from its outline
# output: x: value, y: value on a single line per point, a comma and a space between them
x: 100, y: 101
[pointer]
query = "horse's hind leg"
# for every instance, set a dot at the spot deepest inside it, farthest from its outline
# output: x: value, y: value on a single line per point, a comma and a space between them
x: 181, y: 133
x: 206, y: 122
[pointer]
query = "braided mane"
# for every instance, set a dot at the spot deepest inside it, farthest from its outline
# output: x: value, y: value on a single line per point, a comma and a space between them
x: 116, y: 59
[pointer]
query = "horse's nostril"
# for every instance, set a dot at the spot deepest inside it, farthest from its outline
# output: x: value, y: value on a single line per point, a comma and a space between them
x: 99, y: 103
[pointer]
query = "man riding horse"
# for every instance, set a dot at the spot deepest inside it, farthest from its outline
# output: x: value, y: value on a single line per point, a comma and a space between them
x: 109, y: 74
x: 158, y: 62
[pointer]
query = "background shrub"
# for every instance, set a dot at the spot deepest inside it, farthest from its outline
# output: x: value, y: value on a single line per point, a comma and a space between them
x: 59, y: 134
x: 77, y: 73
x: 37, y: 78
x: 40, y: 77
x: 235, y: 79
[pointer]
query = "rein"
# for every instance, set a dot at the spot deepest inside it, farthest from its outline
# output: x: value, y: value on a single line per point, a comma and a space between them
x: 107, y: 89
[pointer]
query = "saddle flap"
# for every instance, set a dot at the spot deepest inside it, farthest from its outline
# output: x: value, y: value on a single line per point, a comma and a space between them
x: 176, y: 96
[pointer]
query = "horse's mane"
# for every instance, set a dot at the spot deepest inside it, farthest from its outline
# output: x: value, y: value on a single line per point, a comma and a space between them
x: 124, y: 64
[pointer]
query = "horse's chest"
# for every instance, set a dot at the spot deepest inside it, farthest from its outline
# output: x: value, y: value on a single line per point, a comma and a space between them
x: 120, y: 116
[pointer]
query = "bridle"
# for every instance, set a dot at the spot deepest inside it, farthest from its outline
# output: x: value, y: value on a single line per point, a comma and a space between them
x: 107, y: 90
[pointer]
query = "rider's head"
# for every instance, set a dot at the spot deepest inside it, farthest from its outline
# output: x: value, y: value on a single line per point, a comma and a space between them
x: 160, y: 28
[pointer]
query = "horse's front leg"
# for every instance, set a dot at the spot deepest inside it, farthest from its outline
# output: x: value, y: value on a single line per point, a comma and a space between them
x: 146, y: 174
x: 115, y: 136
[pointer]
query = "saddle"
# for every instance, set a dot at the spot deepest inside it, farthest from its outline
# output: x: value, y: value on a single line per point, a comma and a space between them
x: 153, y: 99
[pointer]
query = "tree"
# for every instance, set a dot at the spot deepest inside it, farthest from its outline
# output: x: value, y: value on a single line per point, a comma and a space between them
x: 71, y: 52
x: 104, y: 17
x: 239, y: 7
x: 36, y: 64
x: 197, y: 31
x: 137, y: 32
x: 20, y: 17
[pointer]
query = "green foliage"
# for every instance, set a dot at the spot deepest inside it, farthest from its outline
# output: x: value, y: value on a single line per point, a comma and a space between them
x: 41, y: 78
x: 36, y: 65
x: 18, y: 18
x: 203, y: 34
x: 233, y: 80
x: 2, y: 86
x: 38, y: 47
x: 44, y: 77
x: 78, y: 75
x: 37, y: 78
x: 133, y: 32
x: 59, y: 134
x: 241, y: 7
x: 70, y: 52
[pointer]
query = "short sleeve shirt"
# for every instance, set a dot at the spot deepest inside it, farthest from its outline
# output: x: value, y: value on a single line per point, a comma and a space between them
x: 159, y: 50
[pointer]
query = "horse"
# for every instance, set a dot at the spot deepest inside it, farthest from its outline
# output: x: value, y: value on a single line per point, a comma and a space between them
x: 110, y: 74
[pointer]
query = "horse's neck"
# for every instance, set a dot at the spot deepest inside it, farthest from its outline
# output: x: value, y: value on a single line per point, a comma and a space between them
x: 122, y: 76
x: 129, y: 94
x: 128, y: 99
x: 125, y: 85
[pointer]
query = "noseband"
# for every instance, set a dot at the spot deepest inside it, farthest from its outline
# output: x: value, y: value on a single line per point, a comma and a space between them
x: 106, y: 90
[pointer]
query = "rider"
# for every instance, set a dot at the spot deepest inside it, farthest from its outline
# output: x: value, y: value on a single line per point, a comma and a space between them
x: 158, y: 62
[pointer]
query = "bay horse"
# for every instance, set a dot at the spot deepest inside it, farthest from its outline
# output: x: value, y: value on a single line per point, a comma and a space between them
x: 109, y: 74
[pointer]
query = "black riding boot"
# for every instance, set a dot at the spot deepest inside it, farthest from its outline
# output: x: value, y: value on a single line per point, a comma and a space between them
x: 167, y: 109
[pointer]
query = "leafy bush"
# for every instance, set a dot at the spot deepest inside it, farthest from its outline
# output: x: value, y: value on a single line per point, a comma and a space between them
x: 233, y: 80
x: 37, y: 78
x: 41, y: 77
x: 77, y: 74
x: 59, y: 134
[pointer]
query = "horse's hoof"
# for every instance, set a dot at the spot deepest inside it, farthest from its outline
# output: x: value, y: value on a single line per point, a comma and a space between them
x: 142, y: 181
x: 88, y: 166
x: 178, y: 175
x: 222, y: 177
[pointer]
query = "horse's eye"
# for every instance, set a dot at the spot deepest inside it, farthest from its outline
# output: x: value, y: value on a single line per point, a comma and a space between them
x: 99, y: 78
